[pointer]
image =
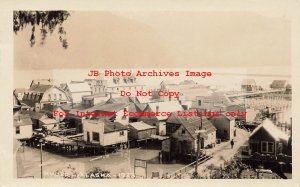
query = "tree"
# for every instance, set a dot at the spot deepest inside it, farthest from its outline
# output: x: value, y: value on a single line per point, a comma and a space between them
x: 232, y: 170
x: 47, y: 21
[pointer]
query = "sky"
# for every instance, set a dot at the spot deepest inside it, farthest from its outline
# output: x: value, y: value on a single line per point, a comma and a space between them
x: 247, y: 42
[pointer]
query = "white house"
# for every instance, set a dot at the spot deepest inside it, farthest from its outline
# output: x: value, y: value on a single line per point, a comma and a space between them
x: 104, y: 132
x: 38, y: 95
x: 22, y: 126
x: 76, y: 90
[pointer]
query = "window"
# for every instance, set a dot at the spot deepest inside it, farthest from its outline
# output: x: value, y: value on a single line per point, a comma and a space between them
x: 121, y: 133
x: 199, y: 102
x: 54, y: 97
x: 18, y: 130
x: 183, y: 131
x: 267, y: 147
x: 124, y: 112
x: 96, y: 136
x: 49, y: 97
x: 60, y: 96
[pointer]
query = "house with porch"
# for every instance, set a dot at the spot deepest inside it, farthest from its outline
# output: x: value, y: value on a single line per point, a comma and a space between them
x: 267, y: 138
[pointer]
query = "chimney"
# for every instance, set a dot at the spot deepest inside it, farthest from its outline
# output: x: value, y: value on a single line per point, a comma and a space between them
x: 157, y: 108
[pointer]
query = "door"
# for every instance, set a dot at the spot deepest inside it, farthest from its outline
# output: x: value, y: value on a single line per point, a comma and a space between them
x: 88, y: 136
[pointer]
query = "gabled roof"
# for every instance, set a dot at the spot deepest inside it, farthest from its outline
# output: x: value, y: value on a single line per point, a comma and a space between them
x: 144, y: 99
x: 140, y: 106
x: 279, y: 84
x: 113, y: 126
x: 248, y: 82
x: 79, y: 87
x: 19, y: 90
x: 167, y: 106
x: 113, y: 107
x: 40, y: 88
x: 124, y: 99
x: 141, y: 126
x: 274, y: 131
x: 48, y: 121
x: 34, y: 115
x: 192, y: 123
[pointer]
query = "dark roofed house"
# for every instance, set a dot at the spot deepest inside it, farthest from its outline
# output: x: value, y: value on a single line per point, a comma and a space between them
x: 104, y: 132
x: 269, y: 139
x: 281, y: 85
x: 40, y: 119
x: 182, y: 131
x: 141, y: 130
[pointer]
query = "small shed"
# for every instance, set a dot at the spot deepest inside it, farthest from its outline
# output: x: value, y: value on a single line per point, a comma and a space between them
x: 141, y: 130
x: 248, y: 85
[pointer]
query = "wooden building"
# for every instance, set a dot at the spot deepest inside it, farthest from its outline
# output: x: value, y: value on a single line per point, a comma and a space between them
x: 141, y: 130
x: 104, y: 132
x: 268, y: 139
x: 182, y: 132
x: 22, y: 126
x: 248, y: 85
x: 160, y: 120
x: 41, y: 93
x: 225, y: 126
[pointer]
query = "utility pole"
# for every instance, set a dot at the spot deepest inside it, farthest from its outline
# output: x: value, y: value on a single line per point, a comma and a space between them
x: 198, y: 145
x: 198, y: 150
x: 41, y: 145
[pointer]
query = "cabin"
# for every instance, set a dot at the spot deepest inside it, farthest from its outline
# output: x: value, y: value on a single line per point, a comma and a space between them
x: 104, y: 132
x: 267, y: 138
x: 182, y: 132
x: 248, y: 85
x: 279, y: 84
x: 160, y: 120
x: 22, y: 126
x: 141, y: 131
x: 40, y: 120
x: 225, y: 126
